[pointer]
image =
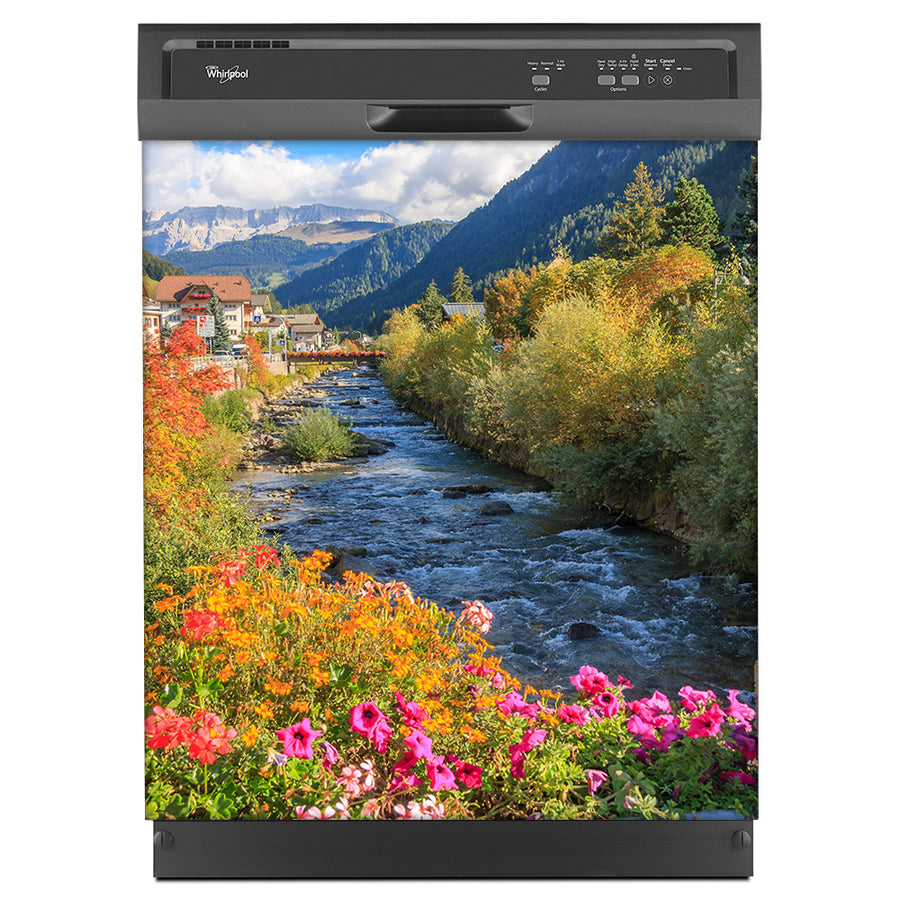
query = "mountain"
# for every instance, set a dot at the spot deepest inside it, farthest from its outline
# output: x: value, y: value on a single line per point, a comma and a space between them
x: 364, y: 268
x: 265, y: 260
x: 335, y: 232
x: 203, y: 227
x: 566, y: 195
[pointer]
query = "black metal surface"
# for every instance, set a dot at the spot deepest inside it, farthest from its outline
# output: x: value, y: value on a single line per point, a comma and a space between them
x: 614, y: 849
x: 695, y: 82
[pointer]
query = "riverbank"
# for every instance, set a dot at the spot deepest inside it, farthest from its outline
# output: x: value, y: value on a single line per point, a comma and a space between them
x: 568, y: 584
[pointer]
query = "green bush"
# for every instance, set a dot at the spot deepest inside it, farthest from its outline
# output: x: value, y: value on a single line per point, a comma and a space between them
x: 229, y: 409
x: 320, y: 435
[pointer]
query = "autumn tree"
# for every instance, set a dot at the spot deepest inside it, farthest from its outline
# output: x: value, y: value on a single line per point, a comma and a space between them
x: 664, y: 279
x: 503, y: 300
x: 691, y: 217
x: 634, y: 227
x: 173, y: 420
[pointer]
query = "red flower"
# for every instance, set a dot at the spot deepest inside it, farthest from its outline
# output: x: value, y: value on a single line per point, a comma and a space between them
x: 707, y: 723
x: 469, y: 774
x: 198, y: 623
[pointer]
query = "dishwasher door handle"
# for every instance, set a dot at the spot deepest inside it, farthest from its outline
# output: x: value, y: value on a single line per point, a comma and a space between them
x: 444, y: 119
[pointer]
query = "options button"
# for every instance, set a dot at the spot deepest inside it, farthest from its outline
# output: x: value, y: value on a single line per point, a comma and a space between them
x: 540, y: 79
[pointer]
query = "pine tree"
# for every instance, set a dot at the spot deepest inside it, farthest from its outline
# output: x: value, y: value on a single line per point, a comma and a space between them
x: 461, y: 289
x: 635, y: 222
x: 221, y: 339
x: 747, y: 223
x: 430, y: 304
x: 691, y: 217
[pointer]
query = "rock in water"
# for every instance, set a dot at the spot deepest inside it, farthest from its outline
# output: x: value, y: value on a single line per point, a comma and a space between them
x: 453, y: 495
x: 496, y: 508
x: 582, y: 631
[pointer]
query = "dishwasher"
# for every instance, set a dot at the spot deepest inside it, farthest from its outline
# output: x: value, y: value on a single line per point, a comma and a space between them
x: 449, y: 353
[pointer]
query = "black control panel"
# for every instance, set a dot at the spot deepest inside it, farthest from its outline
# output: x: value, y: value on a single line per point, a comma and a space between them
x: 239, y: 70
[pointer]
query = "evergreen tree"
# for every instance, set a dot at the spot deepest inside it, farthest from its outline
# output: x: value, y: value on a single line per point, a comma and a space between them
x: 747, y: 223
x: 221, y: 339
x: 635, y: 222
x: 691, y: 217
x: 461, y: 289
x: 430, y: 304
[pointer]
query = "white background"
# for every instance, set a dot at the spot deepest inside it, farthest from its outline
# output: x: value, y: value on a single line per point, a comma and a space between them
x: 71, y: 617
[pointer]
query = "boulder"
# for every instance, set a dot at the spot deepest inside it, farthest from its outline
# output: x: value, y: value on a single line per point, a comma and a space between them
x: 453, y: 494
x: 496, y: 508
x: 471, y: 488
x: 582, y: 631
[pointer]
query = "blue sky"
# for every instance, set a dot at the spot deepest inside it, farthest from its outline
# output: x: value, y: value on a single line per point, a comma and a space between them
x: 411, y: 180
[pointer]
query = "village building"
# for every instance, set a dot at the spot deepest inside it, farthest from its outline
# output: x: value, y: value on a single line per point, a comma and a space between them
x: 306, y: 331
x: 470, y: 310
x: 184, y: 297
x: 152, y: 318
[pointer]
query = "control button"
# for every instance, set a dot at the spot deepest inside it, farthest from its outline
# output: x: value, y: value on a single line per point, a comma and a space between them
x: 540, y: 79
x: 667, y: 80
x: 631, y: 79
x: 606, y: 79
x: 651, y: 79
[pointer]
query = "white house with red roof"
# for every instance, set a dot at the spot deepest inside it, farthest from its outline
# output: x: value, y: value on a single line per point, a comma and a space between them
x: 184, y: 297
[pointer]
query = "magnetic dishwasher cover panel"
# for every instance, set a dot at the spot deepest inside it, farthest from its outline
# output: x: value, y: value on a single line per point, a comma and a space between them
x: 449, y: 365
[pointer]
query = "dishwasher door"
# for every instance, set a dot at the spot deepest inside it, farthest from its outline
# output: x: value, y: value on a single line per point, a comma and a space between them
x: 450, y: 449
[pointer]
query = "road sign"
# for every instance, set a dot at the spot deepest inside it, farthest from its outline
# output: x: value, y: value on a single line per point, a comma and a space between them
x: 257, y: 320
x: 206, y: 326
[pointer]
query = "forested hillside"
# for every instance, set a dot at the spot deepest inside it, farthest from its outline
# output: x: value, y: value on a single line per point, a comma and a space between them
x: 566, y: 197
x: 365, y: 268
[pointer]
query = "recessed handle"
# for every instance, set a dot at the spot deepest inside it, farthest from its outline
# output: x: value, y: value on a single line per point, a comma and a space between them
x: 449, y: 119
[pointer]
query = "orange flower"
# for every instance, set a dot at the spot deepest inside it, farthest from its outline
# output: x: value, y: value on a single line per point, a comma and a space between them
x: 264, y: 710
x: 250, y: 736
x: 299, y: 706
x: 279, y: 688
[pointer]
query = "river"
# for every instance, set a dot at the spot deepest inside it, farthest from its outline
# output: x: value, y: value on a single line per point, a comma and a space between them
x: 546, y: 566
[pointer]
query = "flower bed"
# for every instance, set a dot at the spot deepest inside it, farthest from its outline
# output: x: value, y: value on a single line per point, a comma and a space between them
x: 271, y: 694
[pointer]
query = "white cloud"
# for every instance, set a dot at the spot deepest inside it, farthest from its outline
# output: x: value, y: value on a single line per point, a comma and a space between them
x: 412, y: 181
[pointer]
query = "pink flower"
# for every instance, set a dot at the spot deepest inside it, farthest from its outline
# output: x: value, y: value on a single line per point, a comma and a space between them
x: 691, y: 700
x: 404, y: 782
x: 574, y: 714
x: 478, y: 615
x: 313, y: 812
x: 742, y: 777
x: 624, y: 683
x: 736, y: 710
x: 439, y: 776
x: 607, y: 703
x: 589, y: 680
x: 517, y: 752
x: 165, y: 729
x: 742, y: 741
x: 706, y: 723
x: 370, y: 809
x: 643, y: 731
x: 331, y: 755
x: 514, y: 704
x: 298, y: 739
x: 419, y: 745
x: 381, y: 735
x: 595, y: 778
x: 413, y: 714
x: 199, y: 623
x: 357, y: 780
x: 406, y: 762
x: 368, y: 719
x: 469, y: 774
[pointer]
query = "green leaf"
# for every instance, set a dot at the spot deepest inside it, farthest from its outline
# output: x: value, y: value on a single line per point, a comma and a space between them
x: 172, y: 695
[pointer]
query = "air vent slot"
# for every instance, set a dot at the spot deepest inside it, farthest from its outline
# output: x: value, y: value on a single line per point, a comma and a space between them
x: 281, y: 45
x: 262, y: 44
x: 239, y: 45
x: 223, y: 45
x: 204, y: 45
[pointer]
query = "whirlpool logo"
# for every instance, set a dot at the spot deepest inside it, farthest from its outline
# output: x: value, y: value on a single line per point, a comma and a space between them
x: 225, y: 75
